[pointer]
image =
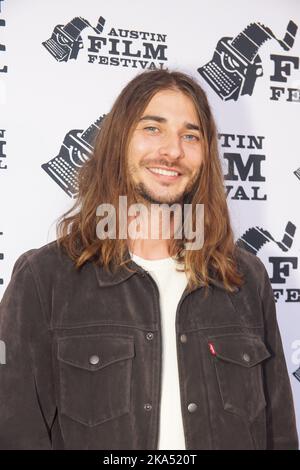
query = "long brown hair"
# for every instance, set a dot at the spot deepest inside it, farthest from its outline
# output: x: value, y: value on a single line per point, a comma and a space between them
x: 104, y: 177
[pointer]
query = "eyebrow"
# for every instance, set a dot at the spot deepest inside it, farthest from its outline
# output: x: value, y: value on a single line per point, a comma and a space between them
x: 187, y: 125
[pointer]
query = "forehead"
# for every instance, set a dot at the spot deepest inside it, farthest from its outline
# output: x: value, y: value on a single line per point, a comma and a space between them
x: 173, y: 102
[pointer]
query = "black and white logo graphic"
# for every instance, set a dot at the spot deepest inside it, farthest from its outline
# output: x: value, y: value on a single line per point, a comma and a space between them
x: 245, y: 157
x: 3, y: 165
x: 297, y: 173
x: 297, y: 374
x: 117, y: 47
x: 255, y: 237
x: 236, y: 64
x: 281, y: 267
x: 66, y: 41
x: 76, y: 149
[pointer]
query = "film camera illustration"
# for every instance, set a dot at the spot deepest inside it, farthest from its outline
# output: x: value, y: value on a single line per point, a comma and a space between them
x: 236, y: 63
x: 76, y: 149
x: 66, y: 41
x: 255, y: 237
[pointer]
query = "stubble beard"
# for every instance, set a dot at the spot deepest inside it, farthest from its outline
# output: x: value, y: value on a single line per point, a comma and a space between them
x: 145, y: 195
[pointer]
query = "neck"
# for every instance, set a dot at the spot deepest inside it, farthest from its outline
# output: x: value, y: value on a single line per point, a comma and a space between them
x: 154, y: 230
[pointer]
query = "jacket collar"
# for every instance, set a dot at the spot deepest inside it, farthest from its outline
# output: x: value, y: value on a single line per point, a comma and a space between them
x: 121, y: 274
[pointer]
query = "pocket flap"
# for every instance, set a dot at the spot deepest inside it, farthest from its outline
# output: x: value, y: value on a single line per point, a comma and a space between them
x: 241, y: 349
x: 93, y: 352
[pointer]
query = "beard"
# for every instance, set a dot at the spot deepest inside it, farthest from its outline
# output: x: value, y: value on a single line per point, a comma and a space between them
x: 146, y: 195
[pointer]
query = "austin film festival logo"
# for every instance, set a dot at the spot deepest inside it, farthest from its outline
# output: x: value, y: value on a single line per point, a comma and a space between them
x: 117, y: 47
x: 282, y: 267
x: 244, y: 157
x: 236, y: 64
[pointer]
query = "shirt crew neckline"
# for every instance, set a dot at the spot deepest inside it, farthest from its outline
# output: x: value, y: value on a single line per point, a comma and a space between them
x: 162, y: 263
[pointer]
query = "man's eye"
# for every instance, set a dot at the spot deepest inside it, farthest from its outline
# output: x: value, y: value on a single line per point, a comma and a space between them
x: 151, y: 128
x: 188, y: 137
x: 192, y: 137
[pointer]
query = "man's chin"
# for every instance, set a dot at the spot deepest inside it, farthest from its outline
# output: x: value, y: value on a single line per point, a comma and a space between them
x: 147, y: 196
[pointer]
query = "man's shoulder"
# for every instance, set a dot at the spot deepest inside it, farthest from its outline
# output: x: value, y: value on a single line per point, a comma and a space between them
x: 46, y: 257
x: 249, y: 264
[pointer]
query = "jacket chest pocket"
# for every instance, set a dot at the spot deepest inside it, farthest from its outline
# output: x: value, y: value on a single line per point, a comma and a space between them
x: 95, y: 376
x: 238, y: 362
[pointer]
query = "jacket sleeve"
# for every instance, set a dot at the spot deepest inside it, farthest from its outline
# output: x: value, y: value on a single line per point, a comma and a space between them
x: 27, y: 406
x: 281, y: 421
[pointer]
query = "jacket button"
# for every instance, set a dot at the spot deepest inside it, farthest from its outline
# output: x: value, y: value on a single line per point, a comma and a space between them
x: 192, y: 407
x: 246, y: 357
x: 94, y: 359
x: 149, y: 335
x: 147, y: 407
x: 183, y: 338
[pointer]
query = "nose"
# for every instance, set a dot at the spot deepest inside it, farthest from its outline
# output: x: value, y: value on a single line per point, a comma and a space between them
x: 171, y: 146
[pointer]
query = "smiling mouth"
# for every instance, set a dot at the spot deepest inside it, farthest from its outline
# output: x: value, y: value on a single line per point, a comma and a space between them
x: 164, y: 174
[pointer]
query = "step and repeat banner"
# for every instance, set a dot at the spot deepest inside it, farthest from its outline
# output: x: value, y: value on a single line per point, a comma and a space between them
x: 62, y: 64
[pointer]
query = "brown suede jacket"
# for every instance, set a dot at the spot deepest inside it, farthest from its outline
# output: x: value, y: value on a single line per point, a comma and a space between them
x: 84, y: 357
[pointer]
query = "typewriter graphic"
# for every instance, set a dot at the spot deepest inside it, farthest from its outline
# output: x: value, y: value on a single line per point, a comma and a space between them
x: 66, y: 41
x: 236, y: 64
x: 255, y: 237
x: 76, y: 149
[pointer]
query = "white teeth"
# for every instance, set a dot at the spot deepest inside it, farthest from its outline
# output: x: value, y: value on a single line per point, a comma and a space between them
x: 164, y: 172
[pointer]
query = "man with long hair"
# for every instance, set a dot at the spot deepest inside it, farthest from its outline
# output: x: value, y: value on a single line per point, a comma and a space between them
x: 121, y: 338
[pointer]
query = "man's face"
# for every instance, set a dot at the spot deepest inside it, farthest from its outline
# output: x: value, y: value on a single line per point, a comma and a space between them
x: 165, y: 151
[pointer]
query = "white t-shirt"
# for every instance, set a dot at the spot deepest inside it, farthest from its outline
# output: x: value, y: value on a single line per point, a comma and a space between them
x: 171, y: 285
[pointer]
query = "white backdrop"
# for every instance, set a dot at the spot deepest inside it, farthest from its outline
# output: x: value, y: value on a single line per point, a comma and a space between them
x: 51, y: 92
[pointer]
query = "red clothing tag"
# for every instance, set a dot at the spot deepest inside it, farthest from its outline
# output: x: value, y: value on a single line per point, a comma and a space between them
x: 212, y: 349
